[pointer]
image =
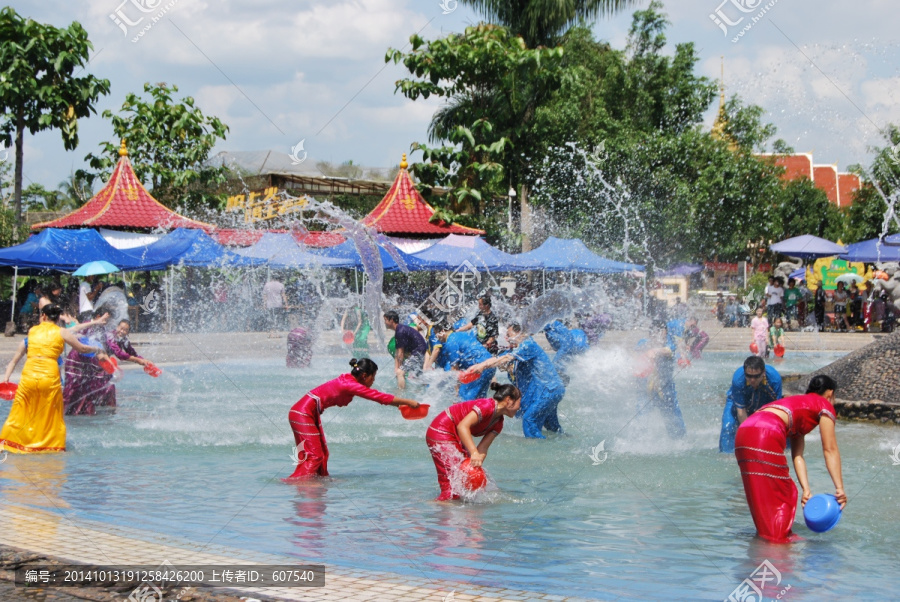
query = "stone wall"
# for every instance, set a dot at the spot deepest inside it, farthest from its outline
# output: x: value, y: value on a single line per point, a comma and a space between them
x: 868, y: 381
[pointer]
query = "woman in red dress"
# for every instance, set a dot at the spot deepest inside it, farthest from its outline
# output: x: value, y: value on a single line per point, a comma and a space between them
x: 760, y: 445
x: 306, y: 421
x: 451, y: 436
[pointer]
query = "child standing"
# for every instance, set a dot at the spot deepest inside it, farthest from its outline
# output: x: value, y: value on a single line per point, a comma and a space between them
x: 760, y: 327
x: 776, y: 334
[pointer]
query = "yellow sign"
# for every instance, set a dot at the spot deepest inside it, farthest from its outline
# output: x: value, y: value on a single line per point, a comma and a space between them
x: 827, y: 269
x: 265, y: 205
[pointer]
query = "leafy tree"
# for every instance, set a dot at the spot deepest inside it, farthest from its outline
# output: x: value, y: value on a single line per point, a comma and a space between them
x: 869, y: 215
x: 493, y: 84
x: 170, y: 142
x: 38, y: 86
x: 541, y: 22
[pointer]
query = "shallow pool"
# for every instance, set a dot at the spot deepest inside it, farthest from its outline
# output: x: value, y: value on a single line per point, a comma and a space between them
x: 198, y: 453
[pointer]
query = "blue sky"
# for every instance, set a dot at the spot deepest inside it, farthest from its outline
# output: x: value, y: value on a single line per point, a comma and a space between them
x: 827, y: 73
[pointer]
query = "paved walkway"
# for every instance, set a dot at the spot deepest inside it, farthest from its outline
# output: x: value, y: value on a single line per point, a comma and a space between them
x: 86, y: 542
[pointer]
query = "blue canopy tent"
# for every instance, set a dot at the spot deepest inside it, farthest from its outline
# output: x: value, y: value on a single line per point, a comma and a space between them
x: 281, y: 251
x: 571, y: 255
x: 189, y: 248
x: 454, y: 251
x: 61, y: 250
x: 869, y: 251
x: 807, y: 247
x: 346, y: 255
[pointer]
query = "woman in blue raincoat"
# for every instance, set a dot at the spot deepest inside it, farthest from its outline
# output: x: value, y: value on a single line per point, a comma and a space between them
x: 567, y: 343
x: 537, y: 379
x: 461, y: 351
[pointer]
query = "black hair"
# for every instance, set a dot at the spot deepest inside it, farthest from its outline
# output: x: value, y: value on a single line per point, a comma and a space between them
x: 486, y: 301
x: 504, y: 391
x: 363, y: 367
x: 821, y: 383
x: 52, y: 311
x: 515, y: 327
x: 754, y: 362
x: 779, y: 280
x: 125, y: 321
x: 392, y: 316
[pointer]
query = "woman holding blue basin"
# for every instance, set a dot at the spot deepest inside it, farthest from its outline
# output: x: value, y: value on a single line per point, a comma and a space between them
x: 760, y: 445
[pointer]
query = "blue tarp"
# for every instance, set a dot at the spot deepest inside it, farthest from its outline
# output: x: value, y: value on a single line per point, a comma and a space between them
x: 807, y: 247
x: 559, y: 255
x: 65, y: 251
x: 189, y: 248
x: 281, y: 251
x: 454, y: 251
x: 869, y: 251
x: 348, y: 256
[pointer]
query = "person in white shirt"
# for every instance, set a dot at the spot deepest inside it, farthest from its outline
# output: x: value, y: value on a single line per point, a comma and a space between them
x: 275, y: 301
x: 87, y: 294
x: 775, y: 299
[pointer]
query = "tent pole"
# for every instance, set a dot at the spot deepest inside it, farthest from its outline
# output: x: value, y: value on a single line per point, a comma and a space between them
x: 170, y: 278
x: 15, y: 282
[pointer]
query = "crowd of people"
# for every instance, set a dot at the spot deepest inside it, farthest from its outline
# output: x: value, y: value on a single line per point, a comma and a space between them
x: 844, y: 309
x: 757, y: 422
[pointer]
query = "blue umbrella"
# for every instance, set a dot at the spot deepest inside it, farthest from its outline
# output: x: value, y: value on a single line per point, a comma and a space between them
x: 95, y: 268
x: 807, y: 247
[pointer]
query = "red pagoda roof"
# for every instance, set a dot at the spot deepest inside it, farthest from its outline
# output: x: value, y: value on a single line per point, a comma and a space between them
x: 403, y: 211
x: 124, y: 203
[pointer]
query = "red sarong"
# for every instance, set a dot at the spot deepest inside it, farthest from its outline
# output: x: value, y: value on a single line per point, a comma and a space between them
x: 446, y: 452
x: 759, y: 447
x: 312, y: 450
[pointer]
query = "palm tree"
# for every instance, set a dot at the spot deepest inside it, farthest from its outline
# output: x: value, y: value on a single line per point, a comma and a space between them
x: 541, y: 22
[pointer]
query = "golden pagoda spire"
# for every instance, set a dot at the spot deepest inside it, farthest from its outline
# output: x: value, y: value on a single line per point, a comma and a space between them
x: 718, y: 128
x: 123, y: 151
x: 403, y: 163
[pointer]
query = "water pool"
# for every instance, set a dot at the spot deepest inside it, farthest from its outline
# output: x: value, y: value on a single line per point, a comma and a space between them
x: 198, y: 452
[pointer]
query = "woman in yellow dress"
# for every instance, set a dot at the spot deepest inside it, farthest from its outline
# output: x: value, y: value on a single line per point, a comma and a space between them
x: 35, y: 423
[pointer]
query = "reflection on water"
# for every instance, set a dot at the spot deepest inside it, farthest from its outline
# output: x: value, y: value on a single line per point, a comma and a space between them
x: 188, y: 453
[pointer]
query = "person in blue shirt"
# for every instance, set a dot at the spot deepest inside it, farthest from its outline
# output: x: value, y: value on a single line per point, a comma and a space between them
x: 461, y: 351
x: 534, y: 375
x: 567, y: 343
x: 678, y: 331
x: 659, y: 374
x: 409, y: 350
x: 753, y: 385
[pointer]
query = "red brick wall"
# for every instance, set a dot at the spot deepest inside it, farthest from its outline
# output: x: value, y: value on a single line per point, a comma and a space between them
x: 848, y: 183
x: 825, y: 178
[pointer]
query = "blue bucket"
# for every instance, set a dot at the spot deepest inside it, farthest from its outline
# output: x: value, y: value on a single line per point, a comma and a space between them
x: 822, y: 512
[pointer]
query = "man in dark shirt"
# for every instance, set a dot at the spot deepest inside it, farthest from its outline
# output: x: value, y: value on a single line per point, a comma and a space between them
x: 410, y: 348
x: 486, y: 325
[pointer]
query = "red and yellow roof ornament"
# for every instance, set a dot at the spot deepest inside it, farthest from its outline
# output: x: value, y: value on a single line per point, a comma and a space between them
x: 124, y: 203
x: 403, y: 212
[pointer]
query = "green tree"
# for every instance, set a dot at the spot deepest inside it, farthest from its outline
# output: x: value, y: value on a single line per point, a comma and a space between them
x: 541, y: 22
x: 170, y: 142
x: 493, y: 85
x: 869, y: 216
x: 38, y: 86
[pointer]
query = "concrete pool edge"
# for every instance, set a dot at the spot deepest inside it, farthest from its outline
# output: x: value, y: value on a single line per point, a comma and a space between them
x: 75, y: 540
